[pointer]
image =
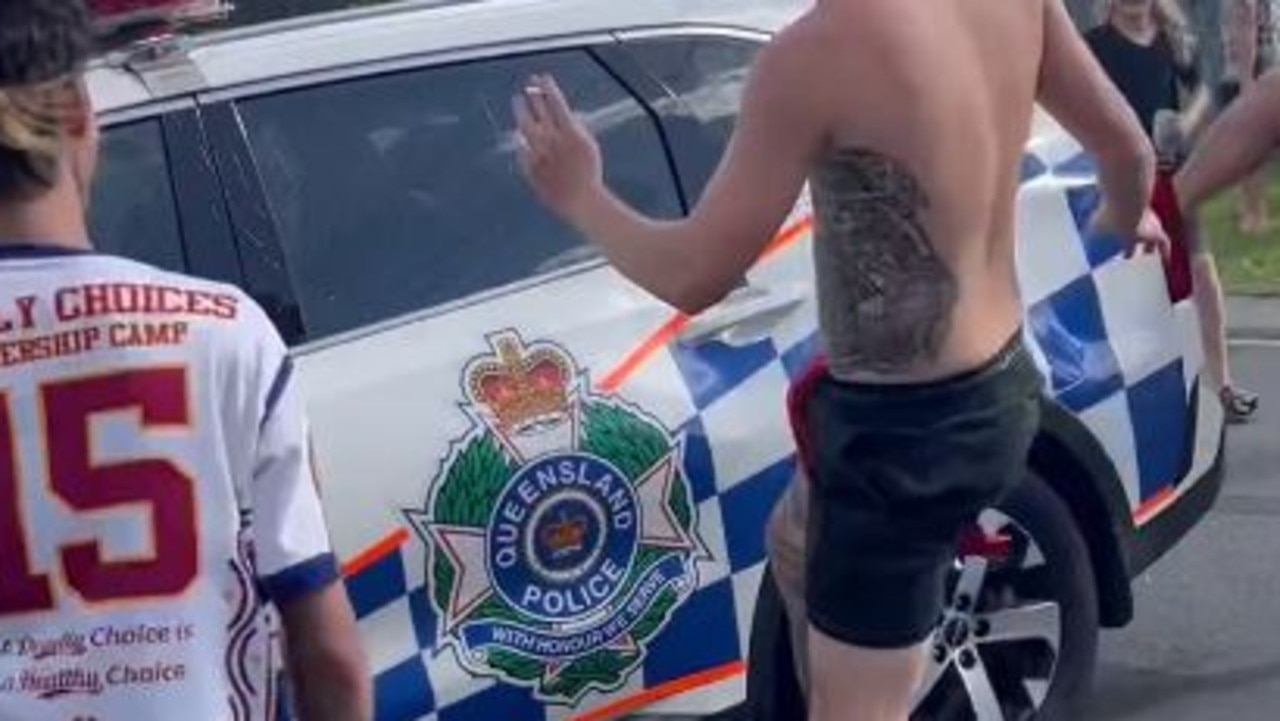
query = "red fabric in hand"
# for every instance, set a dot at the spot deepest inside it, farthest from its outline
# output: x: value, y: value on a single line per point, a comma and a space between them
x: 1177, y: 263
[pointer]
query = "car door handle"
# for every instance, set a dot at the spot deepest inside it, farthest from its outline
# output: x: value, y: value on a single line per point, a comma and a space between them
x: 745, y: 317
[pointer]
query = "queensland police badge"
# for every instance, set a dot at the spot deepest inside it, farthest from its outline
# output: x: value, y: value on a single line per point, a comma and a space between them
x: 561, y: 530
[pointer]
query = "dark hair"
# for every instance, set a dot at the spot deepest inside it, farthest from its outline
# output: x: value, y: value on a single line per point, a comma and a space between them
x: 44, y: 45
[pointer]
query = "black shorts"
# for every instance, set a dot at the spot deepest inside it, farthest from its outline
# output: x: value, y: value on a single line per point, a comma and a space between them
x: 897, y: 473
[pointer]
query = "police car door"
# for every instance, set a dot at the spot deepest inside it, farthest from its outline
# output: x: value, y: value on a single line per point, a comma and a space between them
x: 512, y: 441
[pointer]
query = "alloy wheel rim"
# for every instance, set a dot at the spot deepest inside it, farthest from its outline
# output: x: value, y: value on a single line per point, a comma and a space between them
x: 997, y: 646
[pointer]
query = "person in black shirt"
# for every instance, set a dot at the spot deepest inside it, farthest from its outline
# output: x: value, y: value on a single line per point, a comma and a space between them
x: 1144, y: 52
x: 1144, y: 48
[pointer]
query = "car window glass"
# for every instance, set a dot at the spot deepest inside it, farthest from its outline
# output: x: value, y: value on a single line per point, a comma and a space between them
x: 132, y: 210
x: 706, y: 76
x: 400, y: 192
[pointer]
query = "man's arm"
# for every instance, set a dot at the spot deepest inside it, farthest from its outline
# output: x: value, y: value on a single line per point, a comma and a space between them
x: 299, y: 572
x: 1076, y: 91
x: 324, y: 658
x: 1234, y: 146
x: 692, y: 263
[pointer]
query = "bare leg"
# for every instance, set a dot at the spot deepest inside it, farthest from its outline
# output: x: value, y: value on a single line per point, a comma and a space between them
x: 858, y: 684
x: 1208, y: 293
x: 1238, y: 403
x: 841, y: 682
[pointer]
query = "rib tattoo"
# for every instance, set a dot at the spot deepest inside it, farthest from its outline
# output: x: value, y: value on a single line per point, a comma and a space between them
x: 886, y: 296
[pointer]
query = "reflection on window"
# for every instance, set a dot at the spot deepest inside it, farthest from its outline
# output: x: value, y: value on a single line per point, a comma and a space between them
x: 401, y: 192
x: 706, y: 77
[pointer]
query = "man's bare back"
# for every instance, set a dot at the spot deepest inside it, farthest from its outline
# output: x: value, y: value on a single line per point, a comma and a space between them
x: 914, y: 187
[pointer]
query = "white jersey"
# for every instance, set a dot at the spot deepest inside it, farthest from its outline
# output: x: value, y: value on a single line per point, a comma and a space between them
x: 155, y: 494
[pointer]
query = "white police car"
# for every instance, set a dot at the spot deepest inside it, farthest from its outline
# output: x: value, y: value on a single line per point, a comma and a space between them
x: 549, y: 490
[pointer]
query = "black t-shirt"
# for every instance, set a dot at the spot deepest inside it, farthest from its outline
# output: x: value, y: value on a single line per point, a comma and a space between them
x: 1147, y: 75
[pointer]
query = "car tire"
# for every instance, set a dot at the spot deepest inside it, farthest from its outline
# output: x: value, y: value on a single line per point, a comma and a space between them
x: 1048, y: 679
x: 1073, y: 584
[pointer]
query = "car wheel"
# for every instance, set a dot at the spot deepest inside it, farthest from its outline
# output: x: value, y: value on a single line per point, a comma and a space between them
x: 1019, y: 636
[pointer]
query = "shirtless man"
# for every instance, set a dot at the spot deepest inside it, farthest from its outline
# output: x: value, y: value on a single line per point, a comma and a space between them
x: 912, y: 143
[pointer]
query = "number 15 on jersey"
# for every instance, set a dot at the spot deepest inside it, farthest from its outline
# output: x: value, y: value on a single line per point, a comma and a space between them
x: 154, y: 400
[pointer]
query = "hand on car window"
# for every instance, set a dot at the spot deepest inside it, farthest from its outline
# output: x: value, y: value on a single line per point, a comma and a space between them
x: 558, y: 154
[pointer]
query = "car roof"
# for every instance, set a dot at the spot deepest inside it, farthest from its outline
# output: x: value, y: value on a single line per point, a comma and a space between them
x: 229, y: 58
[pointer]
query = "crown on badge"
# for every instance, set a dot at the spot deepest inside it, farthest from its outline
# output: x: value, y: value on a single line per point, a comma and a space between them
x: 567, y: 535
x: 519, y: 386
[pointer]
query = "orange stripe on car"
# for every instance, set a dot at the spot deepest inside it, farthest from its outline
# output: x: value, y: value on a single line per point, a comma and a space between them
x: 650, y: 696
x: 637, y: 358
x: 789, y: 235
x: 378, y: 551
x: 1154, y: 505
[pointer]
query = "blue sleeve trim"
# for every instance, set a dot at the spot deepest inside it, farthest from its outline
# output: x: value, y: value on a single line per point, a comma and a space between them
x: 278, y: 387
x: 22, y: 251
x: 301, y: 579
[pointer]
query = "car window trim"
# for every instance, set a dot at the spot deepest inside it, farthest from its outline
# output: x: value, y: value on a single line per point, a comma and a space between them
x: 204, y: 218
x: 417, y: 61
x: 650, y: 89
x: 181, y: 181
x: 251, y: 217
x: 108, y: 119
x: 634, y: 81
x: 690, y: 31
x: 471, y: 53
x: 620, y: 57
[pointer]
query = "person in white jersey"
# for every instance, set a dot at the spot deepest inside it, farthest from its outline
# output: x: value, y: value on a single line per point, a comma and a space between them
x: 160, y: 527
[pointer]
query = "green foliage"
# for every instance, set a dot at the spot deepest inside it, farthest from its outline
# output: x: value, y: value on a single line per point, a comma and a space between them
x: 473, y: 484
x: 515, y: 665
x: 679, y: 503
x: 1247, y: 264
x: 443, y: 578
x: 601, y: 668
x: 629, y: 442
x: 649, y: 623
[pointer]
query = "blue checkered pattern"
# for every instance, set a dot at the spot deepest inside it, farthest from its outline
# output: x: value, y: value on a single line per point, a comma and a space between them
x: 1115, y: 350
x: 1102, y: 330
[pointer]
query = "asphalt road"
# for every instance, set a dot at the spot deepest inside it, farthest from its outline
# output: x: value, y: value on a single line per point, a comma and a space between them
x: 1206, y: 640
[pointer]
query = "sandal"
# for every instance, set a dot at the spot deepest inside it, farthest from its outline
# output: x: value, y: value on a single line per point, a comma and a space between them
x: 1239, y: 404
